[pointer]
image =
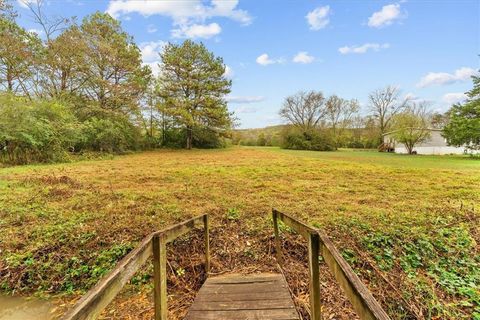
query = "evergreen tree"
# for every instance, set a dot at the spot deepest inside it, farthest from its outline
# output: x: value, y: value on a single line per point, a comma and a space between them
x: 464, y: 125
x: 192, y: 86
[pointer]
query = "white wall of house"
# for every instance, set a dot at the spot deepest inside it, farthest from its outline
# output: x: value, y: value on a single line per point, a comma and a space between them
x: 400, y: 148
x: 435, y: 144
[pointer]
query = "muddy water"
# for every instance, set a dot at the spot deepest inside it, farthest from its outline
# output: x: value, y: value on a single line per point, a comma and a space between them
x: 19, y: 308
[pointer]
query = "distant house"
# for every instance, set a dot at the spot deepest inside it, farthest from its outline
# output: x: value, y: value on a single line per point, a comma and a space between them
x: 435, y: 144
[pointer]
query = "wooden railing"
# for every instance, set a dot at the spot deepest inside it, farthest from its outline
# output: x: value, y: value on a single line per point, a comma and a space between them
x: 362, y: 300
x: 95, y: 300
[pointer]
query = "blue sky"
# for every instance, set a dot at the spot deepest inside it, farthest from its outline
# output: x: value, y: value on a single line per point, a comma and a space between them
x: 274, y: 48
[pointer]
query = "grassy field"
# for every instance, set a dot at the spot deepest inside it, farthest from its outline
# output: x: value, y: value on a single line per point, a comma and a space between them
x: 409, y: 225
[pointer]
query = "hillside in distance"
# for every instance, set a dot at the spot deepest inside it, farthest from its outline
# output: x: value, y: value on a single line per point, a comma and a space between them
x: 267, y: 136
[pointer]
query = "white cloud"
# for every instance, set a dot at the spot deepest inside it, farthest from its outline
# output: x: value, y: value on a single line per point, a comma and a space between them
x: 150, y: 50
x: 25, y: 3
x: 227, y: 9
x: 37, y: 31
x: 197, y: 31
x: 416, y: 99
x: 363, y: 48
x: 189, y: 17
x: 151, y: 54
x: 265, y: 60
x: 181, y: 11
x: 151, y: 28
x: 318, y: 18
x: 303, y: 57
x: 441, y: 78
x: 245, y: 99
x: 386, y: 16
x: 454, y: 97
x: 245, y: 109
x: 228, y: 72
x: 154, y: 66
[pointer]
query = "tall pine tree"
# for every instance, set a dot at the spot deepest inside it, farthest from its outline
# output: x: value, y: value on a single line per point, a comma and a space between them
x: 192, y: 86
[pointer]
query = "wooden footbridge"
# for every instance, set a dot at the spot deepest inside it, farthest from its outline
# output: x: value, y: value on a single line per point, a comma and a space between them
x: 233, y: 296
x: 237, y: 296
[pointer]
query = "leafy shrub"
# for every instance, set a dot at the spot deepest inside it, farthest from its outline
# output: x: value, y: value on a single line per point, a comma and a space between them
x: 318, y: 140
x: 113, y: 135
x: 248, y: 142
x: 35, y: 131
x: 47, y: 130
x: 261, y: 140
x: 206, y: 138
x: 202, y: 138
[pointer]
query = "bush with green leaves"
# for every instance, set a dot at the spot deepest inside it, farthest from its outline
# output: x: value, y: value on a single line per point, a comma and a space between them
x: 204, y: 137
x: 35, y: 131
x: 114, y: 135
x: 463, y: 128
x: 315, y: 139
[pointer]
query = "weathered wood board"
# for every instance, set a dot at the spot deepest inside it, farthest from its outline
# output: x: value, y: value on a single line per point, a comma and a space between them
x: 244, y: 297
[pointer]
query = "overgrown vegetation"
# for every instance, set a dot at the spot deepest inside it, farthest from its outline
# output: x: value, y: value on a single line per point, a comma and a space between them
x: 35, y: 131
x: 83, y: 88
x: 363, y: 135
x: 297, y: 139
x: 319, y: 123
x: 315, y: 122
x: 111, y: 102
x: 464, y: 125
x: 409, y: 225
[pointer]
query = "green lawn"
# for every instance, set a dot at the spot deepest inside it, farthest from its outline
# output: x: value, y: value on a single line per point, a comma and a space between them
x: 402, y: 221
x: 460, y: 162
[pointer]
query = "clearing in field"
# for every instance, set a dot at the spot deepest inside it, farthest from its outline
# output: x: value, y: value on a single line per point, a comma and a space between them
x: 406, y: 224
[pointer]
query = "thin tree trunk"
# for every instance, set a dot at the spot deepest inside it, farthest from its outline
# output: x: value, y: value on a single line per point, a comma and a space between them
x: 9, y: 80
x: 409, y: 148
x: 151, y: 119
x: 335, y: 137
x: 164, y: 130
x: 189, y: 137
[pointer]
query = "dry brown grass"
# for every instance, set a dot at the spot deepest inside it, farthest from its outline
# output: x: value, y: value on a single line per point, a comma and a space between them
x: 60, y: 222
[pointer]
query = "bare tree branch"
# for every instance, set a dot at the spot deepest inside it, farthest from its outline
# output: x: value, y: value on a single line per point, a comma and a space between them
x: 304, y: 109
x: 49, y: 25
x: 386, y: 103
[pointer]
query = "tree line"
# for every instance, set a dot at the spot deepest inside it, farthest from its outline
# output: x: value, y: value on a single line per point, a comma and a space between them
x: 82, y: 87
x: 316, y: 122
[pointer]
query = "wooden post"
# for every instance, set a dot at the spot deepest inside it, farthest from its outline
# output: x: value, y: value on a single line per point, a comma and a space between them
x: 207, y: 243
x: 365, y: 305
x: 313, y: 252
x: 97, y: 298
x: 278, y: 247
x: 160, y: 277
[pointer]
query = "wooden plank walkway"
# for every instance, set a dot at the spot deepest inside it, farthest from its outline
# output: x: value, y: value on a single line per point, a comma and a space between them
x: 248, y: 297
